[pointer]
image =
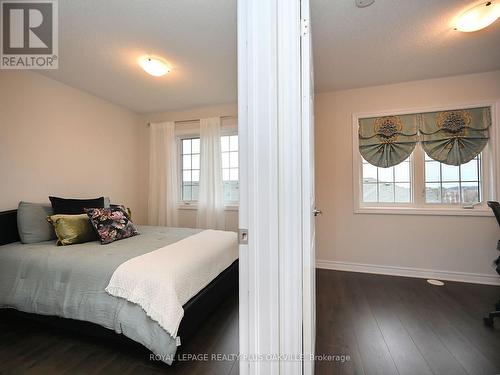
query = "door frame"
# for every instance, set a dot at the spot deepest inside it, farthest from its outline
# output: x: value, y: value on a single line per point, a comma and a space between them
x: 308, y: 192
x: 271, y: 125
x: 257, y: 129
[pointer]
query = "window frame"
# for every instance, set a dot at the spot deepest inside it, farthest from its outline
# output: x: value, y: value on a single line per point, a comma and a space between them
x: 386, y: 204
x: 490, y: 174
x: 483, y: 184
x: 224, y: 133
x: 180, y: 156
x: 192, y: 130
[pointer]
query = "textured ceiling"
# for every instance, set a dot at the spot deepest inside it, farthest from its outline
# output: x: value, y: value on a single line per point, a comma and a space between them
x: 100, y: 41
x: 394, y: 41
x: 390, y: 41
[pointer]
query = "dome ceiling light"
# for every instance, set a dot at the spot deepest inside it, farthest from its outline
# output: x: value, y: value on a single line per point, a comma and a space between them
x: 155, y: 66
x: 478, y: 17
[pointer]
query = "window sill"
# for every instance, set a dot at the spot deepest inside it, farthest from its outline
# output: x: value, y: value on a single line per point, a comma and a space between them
x: 435, y: 211
x: 194, y: 206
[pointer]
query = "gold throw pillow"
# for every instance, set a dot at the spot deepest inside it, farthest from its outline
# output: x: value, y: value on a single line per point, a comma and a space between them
x: 72, y: 229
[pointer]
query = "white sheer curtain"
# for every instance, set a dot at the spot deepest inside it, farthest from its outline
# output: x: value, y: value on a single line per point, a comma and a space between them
x: 210, y: 197
x: 163, y: 178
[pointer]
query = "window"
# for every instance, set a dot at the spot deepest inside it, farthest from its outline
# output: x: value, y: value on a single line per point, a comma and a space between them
x: 229, y: 154
x: 420, y: 184
x: 190, y: 171
x: 190, y: 168
x: 448, y: 184
x: 387, y: 185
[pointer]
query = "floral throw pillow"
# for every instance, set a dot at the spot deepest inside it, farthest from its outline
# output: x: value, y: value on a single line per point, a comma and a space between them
x: 111, y: 224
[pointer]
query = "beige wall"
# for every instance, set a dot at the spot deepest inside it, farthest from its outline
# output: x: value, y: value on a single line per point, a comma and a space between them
x: 193, y: 113
x: 187, y: 217
x: 56, y: 140
x: 447, y: 243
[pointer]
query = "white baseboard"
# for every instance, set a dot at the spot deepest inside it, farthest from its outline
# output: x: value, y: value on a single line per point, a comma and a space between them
x: 475, y: 278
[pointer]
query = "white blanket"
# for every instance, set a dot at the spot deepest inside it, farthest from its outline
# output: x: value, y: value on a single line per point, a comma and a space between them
x: 165, y: 279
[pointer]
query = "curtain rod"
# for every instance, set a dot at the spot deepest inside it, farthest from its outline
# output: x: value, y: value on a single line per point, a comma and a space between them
x: 197, y: 119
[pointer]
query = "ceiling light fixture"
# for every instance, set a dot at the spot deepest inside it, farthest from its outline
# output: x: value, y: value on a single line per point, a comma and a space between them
x: 154, y: 65
x: 478, y: 17
x: 363, y: 3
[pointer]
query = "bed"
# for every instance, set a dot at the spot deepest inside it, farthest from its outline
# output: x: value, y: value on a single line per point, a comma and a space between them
x: 70, y: 281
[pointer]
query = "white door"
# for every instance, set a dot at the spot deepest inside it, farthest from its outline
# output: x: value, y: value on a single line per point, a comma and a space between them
x: 308, y: 205
x: 275, y: 109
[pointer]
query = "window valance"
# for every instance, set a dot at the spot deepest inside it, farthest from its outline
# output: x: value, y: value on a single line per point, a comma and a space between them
x: 455, y: 137
x: 451, y: 137
x: 387, y: 141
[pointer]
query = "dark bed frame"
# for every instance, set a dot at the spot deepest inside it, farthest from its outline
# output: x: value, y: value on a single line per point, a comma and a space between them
x: 196, y: 310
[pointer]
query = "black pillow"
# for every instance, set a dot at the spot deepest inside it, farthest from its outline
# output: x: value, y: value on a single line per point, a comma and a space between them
x: 74, y: 206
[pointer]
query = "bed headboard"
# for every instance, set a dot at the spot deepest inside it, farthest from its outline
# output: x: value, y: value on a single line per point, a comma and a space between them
x: 8, y: 227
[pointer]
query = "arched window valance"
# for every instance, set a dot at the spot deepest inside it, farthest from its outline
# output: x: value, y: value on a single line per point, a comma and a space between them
x: 387, y: 141
x: 455, y: 137
x: 450, y: 137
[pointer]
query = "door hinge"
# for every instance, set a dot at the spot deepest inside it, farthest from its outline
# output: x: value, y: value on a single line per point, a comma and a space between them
x: 304, y: 26
x: 242, y: 236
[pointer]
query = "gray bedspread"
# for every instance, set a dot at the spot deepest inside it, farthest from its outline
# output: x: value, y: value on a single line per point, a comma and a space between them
x: 69, y: 281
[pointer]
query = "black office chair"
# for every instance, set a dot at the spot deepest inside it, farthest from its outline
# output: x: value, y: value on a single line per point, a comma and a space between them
x: 489, y: 321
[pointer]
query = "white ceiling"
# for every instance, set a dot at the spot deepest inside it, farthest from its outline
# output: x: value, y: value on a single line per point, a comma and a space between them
x: 100, y: 41
x: 394, y: 41
x: 390, y: 41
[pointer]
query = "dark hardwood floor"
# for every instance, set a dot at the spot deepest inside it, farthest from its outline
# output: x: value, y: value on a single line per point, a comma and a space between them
x: 397, y: 325
x: 28, y: 347
x: 367, y: 324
